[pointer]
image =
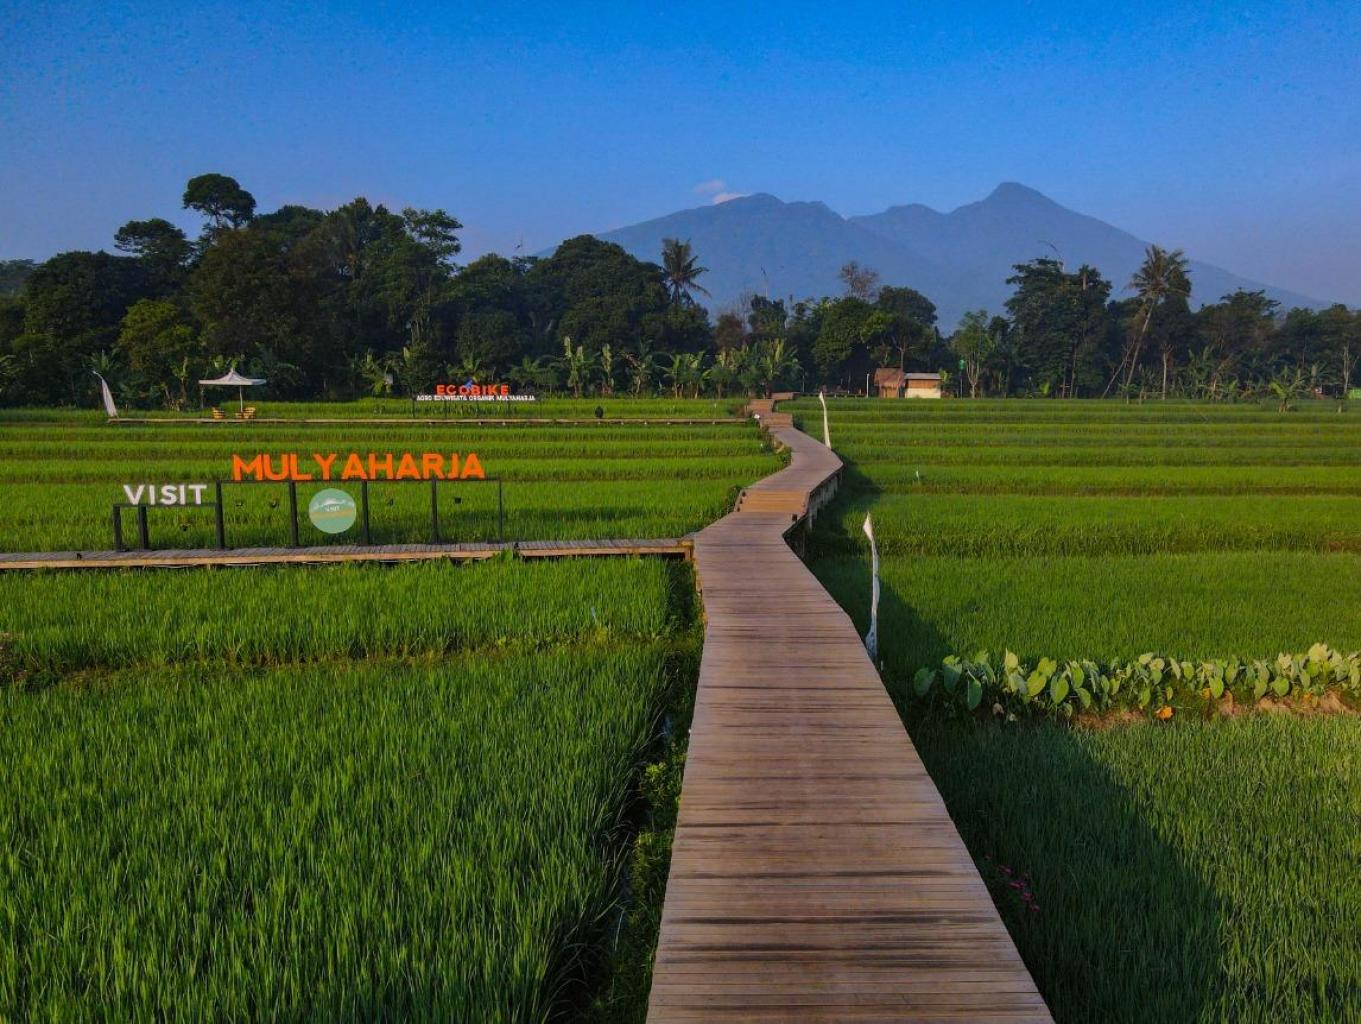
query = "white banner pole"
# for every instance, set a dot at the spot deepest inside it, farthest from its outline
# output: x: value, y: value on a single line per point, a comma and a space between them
x: 110, y: 409
x: 872, y: 637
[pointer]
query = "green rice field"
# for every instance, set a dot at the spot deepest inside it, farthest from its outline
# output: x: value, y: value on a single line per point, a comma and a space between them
x: 61, y: 473
x: 446, y: 792
x: 349, y: 792
x: 336, y: 793
x: 1193, y: 870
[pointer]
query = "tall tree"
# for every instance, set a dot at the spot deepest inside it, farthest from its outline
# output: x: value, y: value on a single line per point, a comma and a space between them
x: 219, y: 198
x: 974, y: 343
x: 729, y: 332
x: 73, y: 304
x: 861, y: 282
x: 680, y: 267
x: 1340, y: 329
x: 13, y: 274
x: 160, y: 245
x: 1057, y: 323
x: 161, y: 349
x: 766, y: 317
x: 1236, y: 335
x: 1163, y: 276
x: 903, y: 324
x: 840, y: 346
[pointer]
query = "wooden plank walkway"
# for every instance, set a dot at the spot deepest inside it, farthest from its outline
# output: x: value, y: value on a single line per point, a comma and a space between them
x: 815, y: 873
x: 423, y: 421
x: 679, y: 547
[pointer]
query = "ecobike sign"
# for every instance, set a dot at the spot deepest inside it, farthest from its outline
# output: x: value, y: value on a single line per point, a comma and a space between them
x: 471, y: 392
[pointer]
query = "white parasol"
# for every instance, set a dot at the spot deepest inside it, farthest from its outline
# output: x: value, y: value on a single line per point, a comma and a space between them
x: 232, y: 379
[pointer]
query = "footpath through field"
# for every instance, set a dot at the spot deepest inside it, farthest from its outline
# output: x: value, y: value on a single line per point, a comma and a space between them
x: 815, y: 873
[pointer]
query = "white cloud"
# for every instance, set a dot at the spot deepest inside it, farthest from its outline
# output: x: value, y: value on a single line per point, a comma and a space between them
x: 710, y: 187
x: 723, y: 197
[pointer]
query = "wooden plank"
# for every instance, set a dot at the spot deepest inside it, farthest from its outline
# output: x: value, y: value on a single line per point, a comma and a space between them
x: 438, y: 421
x: 815, y: 873
x: 670, y: 547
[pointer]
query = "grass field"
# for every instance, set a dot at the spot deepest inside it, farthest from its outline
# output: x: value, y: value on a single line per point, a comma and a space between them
x: 335, y: 793
x: 62, y: 472
x: 1189, y: 871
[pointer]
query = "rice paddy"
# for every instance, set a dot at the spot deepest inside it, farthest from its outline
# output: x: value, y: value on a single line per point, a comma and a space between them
x: 1190, y: 870
x: 330, y: 793
x: 439, y: 792
x: 62, y: 473
x: 417, y: 792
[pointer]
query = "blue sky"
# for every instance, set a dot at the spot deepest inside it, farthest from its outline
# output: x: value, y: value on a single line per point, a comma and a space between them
x: 1235, y: 133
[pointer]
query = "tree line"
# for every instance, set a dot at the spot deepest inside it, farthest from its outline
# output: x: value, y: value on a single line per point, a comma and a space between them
x: 362, y: 300
x: 1064, y: 335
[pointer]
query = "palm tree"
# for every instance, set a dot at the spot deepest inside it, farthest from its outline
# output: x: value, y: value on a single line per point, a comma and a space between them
x: 1162, y: 276
x: 680, y: 270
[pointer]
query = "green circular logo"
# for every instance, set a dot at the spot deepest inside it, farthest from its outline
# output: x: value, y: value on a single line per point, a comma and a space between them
x: 331, y: 511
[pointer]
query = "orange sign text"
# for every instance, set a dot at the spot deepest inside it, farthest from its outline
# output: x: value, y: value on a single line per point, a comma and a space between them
x: 357, y: 466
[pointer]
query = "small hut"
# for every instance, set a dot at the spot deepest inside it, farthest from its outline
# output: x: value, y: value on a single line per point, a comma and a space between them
x: 893, y: 383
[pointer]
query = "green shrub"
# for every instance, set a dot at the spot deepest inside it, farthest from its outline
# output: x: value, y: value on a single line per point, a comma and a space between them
x: 1153, y: 683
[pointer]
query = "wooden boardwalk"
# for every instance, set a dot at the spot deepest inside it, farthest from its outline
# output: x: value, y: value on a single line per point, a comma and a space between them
x: 815, y: 874
x: 426, y: 421
x: 321, y: 554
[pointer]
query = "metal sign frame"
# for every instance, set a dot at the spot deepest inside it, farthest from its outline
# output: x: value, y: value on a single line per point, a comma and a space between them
x: 366, y: 536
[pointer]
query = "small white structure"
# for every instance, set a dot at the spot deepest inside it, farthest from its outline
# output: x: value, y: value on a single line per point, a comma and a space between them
x: 897, y: 384
x: 232, y: 379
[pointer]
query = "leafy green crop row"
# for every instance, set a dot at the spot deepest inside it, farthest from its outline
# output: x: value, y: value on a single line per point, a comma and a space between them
x: 1158, y: 685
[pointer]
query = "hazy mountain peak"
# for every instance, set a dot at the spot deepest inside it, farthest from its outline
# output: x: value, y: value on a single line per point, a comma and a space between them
x: 1014, y: 191
x: 760, y: 244
x: 755, y: 199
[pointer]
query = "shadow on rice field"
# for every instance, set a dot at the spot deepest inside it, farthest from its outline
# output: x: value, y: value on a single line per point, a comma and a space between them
x: 1190, y: 870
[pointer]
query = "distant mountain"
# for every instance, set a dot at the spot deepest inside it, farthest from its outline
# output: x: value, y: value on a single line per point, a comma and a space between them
x: 960, y: 260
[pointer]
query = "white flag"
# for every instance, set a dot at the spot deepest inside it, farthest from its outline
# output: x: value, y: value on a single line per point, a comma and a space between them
x: 826, y: 434
x: 872, y: 637
x: 109, y: 407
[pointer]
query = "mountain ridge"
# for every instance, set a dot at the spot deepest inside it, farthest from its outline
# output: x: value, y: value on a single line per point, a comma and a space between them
x: 960, y: 259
